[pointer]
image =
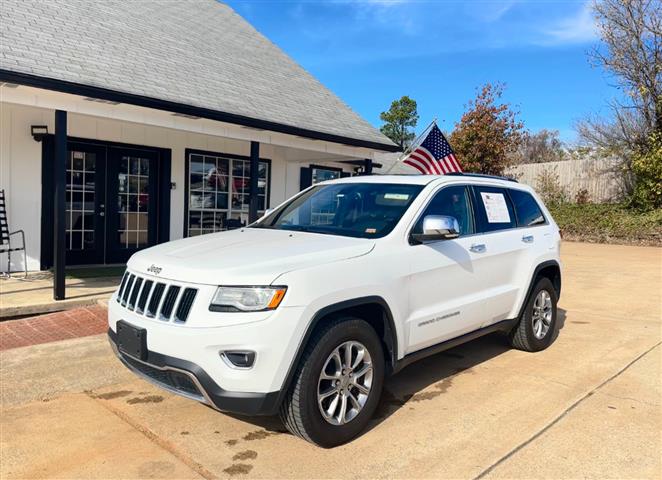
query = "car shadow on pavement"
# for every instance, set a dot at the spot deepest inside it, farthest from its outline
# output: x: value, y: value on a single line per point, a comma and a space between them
x: 424, y: 380
x: 433, y: 376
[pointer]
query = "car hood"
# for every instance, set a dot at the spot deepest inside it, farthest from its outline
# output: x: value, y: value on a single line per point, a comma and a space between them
x: 249, y: 256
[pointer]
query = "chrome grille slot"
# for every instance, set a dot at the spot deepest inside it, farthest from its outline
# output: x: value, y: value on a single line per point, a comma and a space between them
x: 134, y: 293
x: 155, y: 300
x: 127, y: 289
x: 122, y: 285
x: 185, y: 304
x: 142, y: 301
x: 169, y: 302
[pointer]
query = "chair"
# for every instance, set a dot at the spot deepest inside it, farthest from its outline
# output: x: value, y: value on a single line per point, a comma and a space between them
x: 5, y: 238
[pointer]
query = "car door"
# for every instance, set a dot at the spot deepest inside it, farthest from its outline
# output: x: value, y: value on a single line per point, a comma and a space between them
x: 503, y: 250
x: 448, y: 278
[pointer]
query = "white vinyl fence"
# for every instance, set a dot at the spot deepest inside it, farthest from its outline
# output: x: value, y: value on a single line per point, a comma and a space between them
x: 603, y: 179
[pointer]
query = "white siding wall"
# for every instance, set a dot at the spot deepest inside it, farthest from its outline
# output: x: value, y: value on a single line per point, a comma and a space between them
x: 20, y: 164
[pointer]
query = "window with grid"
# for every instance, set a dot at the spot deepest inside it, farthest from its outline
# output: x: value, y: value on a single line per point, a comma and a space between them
x: 219, y: 192
x: 80, y: 196
x: 133, y: 202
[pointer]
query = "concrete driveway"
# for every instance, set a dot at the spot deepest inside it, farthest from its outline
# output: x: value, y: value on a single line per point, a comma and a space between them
x: 589, y: 406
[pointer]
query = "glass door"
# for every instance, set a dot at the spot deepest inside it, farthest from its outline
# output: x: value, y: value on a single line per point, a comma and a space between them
x: 85, y: 204
x: 132, y: 199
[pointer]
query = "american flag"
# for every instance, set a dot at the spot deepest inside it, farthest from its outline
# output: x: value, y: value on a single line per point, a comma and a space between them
x: 434, y: 155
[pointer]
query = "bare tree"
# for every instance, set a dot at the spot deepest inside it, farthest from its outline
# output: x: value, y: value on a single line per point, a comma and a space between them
x: 631, y: 50
x: 541, y: 147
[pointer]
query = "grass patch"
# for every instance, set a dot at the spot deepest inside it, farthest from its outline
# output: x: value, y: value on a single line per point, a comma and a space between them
x: 608, y: 223
x: 94, y: 272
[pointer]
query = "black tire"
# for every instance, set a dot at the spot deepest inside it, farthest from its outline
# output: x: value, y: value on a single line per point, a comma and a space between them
x: 300, y: 411
x: 522, y: 336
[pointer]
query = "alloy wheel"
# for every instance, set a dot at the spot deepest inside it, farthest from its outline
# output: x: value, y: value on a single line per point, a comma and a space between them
x: 541, y: 316
x: 344, y: 383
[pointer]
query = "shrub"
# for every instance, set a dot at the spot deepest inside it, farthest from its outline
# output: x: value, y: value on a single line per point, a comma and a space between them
x: 582, y: 197
x: 608, y: 223
x: 549, y: 187
x: 647, y: 169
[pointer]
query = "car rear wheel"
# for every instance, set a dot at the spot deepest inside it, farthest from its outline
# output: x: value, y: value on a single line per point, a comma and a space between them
x: 537, y: 326
x: 337, y: 384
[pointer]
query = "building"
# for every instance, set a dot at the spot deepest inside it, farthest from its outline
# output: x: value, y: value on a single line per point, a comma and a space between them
x: 127, y: 124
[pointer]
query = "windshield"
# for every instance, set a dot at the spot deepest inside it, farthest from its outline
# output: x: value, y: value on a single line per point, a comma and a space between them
x: 364, y: 210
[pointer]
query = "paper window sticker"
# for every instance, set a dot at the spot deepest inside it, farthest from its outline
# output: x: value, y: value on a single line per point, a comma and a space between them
x: 396, y: 196
x: 495, y: 207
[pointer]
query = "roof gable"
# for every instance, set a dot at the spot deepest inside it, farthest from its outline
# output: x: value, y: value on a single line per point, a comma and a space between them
x: 198, y: 53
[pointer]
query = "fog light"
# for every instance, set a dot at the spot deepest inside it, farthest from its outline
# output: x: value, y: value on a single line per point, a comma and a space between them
x: 238, y: 358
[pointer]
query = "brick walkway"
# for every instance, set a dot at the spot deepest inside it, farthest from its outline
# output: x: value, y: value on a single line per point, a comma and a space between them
x: 78, y: 322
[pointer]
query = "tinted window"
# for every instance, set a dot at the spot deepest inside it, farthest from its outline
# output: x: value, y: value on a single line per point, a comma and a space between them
x: 527, y: 209
x: 366, y: 210
x: 453, y: 202
x: 494, y: 210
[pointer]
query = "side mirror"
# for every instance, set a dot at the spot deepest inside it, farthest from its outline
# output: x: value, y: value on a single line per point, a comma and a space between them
x: 438, y: 227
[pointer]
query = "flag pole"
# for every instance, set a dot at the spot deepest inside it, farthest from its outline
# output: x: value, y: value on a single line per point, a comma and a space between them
x: 414, y: 144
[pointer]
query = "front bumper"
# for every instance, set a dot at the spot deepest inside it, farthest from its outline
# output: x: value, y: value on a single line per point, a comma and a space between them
x: 189, y: 380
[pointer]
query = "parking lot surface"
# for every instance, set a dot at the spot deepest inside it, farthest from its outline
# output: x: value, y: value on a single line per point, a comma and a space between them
x: 589, y: 406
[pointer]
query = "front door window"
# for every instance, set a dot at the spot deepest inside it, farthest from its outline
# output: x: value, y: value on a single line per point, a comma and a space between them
x: 80, y: 201
x: 133, y: 202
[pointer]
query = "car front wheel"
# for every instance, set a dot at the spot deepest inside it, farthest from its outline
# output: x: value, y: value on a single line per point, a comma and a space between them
x: 537, y: 326
x: 337, y: 385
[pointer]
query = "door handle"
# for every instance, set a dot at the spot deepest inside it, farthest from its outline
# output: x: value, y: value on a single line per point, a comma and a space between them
x: 527, y: 238
x: 478, y: 248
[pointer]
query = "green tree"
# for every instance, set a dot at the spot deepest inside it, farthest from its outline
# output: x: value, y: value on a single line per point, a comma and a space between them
x: 647, y: 169
x: 400, y: 121
x: 489, y: 133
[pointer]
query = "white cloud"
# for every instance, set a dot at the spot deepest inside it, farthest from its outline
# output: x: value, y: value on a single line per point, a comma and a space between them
x: 578, y: 28
x: 490, y: 11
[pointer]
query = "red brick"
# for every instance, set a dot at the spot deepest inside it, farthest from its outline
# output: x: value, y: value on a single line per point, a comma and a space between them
x: 78, y: 322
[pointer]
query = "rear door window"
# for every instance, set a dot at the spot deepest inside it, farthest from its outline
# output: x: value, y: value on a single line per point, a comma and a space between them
x: 527, y: 209
x: 494, y: 210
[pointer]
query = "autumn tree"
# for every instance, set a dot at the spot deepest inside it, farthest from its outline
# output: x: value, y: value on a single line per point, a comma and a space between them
x: 400, y: 121
x: 487, y: 136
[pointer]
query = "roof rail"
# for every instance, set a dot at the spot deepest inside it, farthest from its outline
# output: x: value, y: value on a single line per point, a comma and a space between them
x: 482, y: 175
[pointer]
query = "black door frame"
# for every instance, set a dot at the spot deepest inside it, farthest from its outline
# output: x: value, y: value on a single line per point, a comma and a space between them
x: 162, y: 188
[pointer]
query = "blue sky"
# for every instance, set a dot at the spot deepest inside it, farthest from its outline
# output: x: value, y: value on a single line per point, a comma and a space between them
x: 370, y: 52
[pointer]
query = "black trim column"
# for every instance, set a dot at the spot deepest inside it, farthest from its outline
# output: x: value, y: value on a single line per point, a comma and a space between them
x: 253, y: 186
x: 59, y: 210
x: 367, y: 166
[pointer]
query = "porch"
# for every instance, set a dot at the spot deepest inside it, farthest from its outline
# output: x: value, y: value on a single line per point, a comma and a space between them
x: 116, y: 178
x: 33, y: 295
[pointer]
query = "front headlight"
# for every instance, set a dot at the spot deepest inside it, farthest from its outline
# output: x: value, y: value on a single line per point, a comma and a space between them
x: 246, y: 299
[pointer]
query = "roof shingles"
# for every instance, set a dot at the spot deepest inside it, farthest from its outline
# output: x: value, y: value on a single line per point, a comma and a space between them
x: 197, y: 52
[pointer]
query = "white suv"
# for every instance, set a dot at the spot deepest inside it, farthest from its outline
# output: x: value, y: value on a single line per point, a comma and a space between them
x: 306, y: 311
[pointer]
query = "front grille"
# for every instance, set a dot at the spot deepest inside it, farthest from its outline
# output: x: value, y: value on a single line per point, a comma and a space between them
x: 168, y: 379
x: 134, y: 293
x: 140, y: 308
x: 147, y: 298
x: 122, y: 285
x: 127, y: 289
x: 185, y: 304
x: 169, y: 302
x: 155, y: 300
